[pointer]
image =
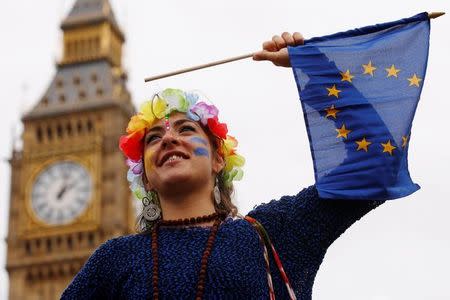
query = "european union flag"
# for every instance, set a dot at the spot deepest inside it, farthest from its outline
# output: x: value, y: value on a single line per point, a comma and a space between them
x: 359, y: 91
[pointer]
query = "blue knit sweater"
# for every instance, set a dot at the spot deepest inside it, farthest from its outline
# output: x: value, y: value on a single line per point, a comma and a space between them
x: 301, y: 227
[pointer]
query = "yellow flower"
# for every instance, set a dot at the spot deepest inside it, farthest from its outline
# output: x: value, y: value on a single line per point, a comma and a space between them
x: 159, y: 107
x: 136, y: 123
x: 233, y: 161
x: 146, y: 113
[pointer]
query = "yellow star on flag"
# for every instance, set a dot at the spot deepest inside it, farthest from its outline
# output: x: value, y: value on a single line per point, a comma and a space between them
x: 343, y: 132
x: 392, y: 71
x: 388, y: 147
x: 414, y: 80
x: 363, y: 144
x: 368, y: 69
x: 333, y: 91
x: 404, y: 141
x: 346, y: 76
x: 331, y: 112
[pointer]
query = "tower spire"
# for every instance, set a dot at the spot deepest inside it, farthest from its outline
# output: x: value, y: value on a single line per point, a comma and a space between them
x: 91, y: 32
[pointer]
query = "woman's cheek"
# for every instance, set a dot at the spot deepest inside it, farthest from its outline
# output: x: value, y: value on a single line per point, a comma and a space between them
x: 200, y: 146
x: 148, y: 160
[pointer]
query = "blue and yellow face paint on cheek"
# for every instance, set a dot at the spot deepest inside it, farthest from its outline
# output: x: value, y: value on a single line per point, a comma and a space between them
x: 200, y: 151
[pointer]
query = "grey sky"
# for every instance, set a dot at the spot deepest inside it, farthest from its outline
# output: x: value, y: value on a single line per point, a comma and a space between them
x: 399, y: 251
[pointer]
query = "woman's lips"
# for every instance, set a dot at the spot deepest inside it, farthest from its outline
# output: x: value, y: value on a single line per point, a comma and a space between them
x: 172, y: 157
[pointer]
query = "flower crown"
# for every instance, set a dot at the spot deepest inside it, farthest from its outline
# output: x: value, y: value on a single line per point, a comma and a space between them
x: 162, y: 105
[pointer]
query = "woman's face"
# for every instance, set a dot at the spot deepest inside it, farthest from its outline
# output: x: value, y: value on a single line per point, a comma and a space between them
x: 180, y: 156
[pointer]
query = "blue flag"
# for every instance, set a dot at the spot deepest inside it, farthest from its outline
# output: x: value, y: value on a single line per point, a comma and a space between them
x: 359, y: 91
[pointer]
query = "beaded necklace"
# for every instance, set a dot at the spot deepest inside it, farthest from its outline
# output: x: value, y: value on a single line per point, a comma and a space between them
x: 217, y: 218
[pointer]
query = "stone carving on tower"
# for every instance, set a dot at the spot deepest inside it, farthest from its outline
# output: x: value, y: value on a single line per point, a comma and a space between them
x: 68, y: 186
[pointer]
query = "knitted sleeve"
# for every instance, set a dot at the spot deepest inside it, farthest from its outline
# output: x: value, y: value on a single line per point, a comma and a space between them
x: 96, y: 279
x: 304, y: 225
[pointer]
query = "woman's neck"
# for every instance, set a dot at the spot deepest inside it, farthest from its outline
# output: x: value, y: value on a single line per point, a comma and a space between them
x: 187, y: 205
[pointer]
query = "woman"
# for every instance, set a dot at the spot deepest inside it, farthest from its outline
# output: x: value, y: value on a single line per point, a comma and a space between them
x: 193, y: 244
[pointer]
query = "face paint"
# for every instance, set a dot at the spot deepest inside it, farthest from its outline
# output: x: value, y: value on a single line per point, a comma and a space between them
x: 200, y: 151
x: 148, y: 159
x: 199, y: 140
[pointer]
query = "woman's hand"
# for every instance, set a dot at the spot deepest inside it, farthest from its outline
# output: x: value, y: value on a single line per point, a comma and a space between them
x: 276, y: 49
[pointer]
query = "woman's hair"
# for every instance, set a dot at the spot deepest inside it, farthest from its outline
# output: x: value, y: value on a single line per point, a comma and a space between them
x: 226, y: 204
x: 196, y: 108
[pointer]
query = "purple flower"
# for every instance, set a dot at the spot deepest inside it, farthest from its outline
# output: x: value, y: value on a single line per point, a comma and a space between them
x: 136, y: 167
x: 204, y: 111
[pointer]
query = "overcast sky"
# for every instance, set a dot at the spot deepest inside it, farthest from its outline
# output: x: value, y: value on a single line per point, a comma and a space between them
x: 399, y: 251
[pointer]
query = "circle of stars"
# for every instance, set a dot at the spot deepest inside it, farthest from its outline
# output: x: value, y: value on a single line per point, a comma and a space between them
x: 332, y: 112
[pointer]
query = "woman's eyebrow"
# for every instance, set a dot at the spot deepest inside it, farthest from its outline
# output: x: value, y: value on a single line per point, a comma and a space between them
x: 155, y: 128
x: 182, y: 121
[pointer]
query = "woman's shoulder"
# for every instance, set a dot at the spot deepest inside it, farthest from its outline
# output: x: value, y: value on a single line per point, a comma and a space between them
x: 285, y: 203
x: 122, y: 246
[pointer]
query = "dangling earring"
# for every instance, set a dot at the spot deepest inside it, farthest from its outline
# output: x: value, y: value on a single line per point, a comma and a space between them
x: 217, y: 192
x: 151, y: 211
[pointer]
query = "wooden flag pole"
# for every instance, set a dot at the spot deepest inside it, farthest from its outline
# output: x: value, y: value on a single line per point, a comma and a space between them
x: 432, y: 15
x: 214, y: 63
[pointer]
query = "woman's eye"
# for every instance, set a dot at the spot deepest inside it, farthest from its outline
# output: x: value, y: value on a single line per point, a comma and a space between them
x: 186, y: 128
x: 152, y: 138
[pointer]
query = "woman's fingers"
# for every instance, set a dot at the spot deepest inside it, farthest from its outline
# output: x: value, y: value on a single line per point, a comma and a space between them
x: 275, y: 50
x: 298, y: 38
x: 278, y: 58
x: 288, y: 39
x: 270, y: 46
x: 279, y: 41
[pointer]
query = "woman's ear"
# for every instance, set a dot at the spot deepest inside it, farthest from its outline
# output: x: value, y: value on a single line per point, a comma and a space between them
x: 218, y: 163
x: 147, y: 185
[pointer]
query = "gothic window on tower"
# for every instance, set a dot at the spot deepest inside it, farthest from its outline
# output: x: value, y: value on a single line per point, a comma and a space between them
x: 82, y: 95
x: 79, y: 127
x: 90, y: 45
x: 59, y: 131
x: 76, y: 80
x: 59, y: 83
x: 89, y: 125
x: 94, y: 77
x: 62, y: 98
x: 39, y: 134
x: 48, y: 244
x: 49, y: 133
x: 99, y: 92
x: 97, y: 45
x: 69, y: 129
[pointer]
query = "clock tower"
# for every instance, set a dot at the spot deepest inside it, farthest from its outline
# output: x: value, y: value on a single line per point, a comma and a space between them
x: 68, y: 183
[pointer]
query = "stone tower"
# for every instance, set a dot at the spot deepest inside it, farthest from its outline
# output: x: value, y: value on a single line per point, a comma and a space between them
x: 68, y: 186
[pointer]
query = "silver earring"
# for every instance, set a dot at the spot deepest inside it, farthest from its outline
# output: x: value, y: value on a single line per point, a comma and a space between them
x: 151, y: 211
x: 217, y: 192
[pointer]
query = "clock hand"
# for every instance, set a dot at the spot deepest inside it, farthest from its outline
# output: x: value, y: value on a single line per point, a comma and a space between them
x: 61, y: 192
x: 66, y: 188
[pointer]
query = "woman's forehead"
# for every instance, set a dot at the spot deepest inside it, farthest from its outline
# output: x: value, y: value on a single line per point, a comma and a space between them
x: 175, y: 119
x: 175, y: 116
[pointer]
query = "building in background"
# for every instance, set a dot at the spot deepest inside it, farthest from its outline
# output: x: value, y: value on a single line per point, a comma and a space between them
x: 68, y: 187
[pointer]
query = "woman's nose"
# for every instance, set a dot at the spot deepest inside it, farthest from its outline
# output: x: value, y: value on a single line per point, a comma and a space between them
x: 169, y: 138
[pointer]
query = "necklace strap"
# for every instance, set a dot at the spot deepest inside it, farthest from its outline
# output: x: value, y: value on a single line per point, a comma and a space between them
x: 193, y: 220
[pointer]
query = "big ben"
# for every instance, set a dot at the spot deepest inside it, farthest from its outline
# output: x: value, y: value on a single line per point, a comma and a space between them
x: 68, y: 187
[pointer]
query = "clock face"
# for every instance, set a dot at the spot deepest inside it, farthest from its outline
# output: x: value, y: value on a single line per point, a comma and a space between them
x: 61, y: 192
